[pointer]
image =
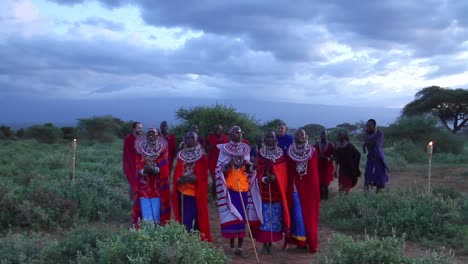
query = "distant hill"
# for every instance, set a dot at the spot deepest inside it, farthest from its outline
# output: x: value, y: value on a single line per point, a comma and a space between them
x: 22, y: 113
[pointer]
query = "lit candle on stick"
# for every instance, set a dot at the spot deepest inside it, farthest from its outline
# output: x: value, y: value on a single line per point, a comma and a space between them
x: 74, y: 158
x: 429, y: 149
x: 429, y: 152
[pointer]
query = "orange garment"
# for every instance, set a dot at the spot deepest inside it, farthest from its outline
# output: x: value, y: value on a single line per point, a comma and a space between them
x: 187, y: 189
x: 242, y: 179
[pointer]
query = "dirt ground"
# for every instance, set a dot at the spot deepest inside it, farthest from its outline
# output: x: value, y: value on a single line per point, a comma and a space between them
x: 451, y: 177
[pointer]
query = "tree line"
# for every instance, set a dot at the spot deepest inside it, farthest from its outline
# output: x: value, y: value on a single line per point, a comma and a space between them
x: 435, y: 112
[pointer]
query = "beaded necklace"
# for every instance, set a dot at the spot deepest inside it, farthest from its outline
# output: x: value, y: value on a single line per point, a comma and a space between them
x: 237, y: 150
x: 271, y: 153
x: 150, y: 149
x: 300, y: 153
x: 191, y: 154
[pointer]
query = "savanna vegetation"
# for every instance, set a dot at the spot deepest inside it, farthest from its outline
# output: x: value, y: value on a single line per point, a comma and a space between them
x: 47, y: 217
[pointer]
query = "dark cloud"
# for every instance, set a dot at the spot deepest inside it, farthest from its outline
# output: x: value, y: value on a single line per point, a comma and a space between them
x: 287, y: 30
x: 245, y: 47
x: 424, y: 27
x: 47, y: 64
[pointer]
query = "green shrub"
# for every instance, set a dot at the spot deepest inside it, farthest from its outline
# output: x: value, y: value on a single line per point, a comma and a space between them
x: 207, y: 117
x: 168, y: 244
x: 97, y: 200
x: 409, y: 151
x: 6, y: 132
x: 104, y: 129
x: 395, y: 161
x: 342, y: 249
x: 420, y: 130
x: 74, y: 243
x: 47, y: 133
x: 69, y: 133
x: 21, y: 248
x: 64, y: 247
x: 420, y: 216
x: 450, y: 158
x: 10, y: 213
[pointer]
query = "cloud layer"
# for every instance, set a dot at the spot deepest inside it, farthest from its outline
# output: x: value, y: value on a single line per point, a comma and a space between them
x: 376, y: 53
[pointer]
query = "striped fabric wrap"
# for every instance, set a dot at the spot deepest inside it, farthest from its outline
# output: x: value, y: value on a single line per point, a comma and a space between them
x: 228, y: 214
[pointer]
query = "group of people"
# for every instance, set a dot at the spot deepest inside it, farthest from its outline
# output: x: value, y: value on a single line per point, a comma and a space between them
x: 272, y: 191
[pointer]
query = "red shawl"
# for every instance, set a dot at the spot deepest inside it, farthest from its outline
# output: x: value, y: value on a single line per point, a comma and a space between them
x: 129, y: 161
x: 281, y: 173
x: 213, y: 154
x: 163, y: 186
x: 201, y: 190
x: 171, y: 148
x: 309, y: 195
x: 325, y: 167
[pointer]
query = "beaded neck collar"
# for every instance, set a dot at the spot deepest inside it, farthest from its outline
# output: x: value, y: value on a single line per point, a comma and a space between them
x: 235, y: 148
x: 150, y: 149
x: 191, y: 154
x: 300, y: 153
x: 272, y: 154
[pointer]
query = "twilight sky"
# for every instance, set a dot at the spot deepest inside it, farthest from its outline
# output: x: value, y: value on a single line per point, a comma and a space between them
x: 336, y: 52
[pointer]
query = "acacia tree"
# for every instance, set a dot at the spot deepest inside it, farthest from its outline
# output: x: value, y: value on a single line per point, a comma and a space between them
x: 449, y: 105
x: 206, y: 117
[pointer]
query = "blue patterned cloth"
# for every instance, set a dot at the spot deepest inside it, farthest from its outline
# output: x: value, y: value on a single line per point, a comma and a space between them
x: 275, y: 223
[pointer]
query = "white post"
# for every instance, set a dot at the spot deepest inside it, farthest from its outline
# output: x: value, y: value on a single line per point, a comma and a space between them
x: 429, y: 153
x: 74, y: 158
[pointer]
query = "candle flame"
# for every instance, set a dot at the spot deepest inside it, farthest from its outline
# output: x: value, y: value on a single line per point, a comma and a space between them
x: 74, y: 140
x: 430, y: 143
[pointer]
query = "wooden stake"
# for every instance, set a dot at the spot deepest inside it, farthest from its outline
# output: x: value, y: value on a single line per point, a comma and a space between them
x: 74, y: 159
x: 246, y: 217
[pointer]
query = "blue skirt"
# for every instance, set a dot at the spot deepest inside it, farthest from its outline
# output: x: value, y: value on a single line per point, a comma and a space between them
x: 298, y: 230
x: 151, y: 209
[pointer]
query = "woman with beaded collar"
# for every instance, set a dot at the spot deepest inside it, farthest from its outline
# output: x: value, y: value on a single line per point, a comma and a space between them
x: 190, y: 187
x: 272, y: 176
x: 237, y: 192
x: 303, y: 193
x: 152, y: 201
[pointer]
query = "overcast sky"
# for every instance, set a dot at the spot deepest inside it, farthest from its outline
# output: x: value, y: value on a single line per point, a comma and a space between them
x: 336, y: 52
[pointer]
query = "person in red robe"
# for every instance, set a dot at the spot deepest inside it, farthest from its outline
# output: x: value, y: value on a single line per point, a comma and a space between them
x: 303, y: 192
x: 171, y: 143
x: 129, y: 157
x: 201, y: 141
x: 190, y: 187
x: 152, y: 199
x: 347, y: 161
x: 326, y: 167
x: 196, y: 129
x: 212, y: 140
x: 272, y: 177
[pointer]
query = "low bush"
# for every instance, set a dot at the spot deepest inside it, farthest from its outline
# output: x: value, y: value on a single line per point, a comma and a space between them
x: 168, y: 244
x: 436, y: 218
x: 342, y: 249
x: 47, y: 133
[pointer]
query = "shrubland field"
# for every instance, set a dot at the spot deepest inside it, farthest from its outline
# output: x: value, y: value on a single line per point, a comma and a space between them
x: 47, y: 217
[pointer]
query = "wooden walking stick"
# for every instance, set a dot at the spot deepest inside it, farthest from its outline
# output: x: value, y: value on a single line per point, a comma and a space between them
x: 246, y: 217
x: 182, y: 208
x: 271, y: 215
